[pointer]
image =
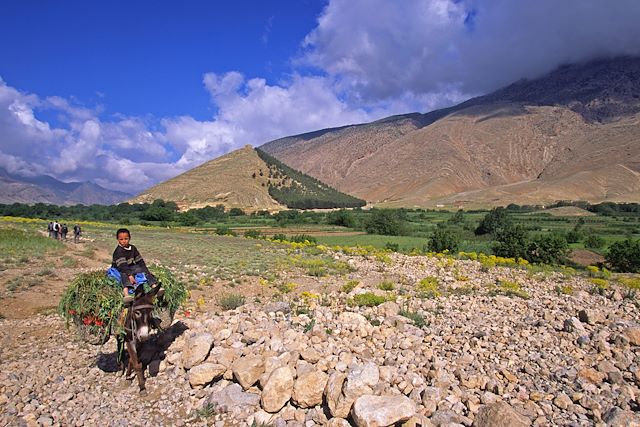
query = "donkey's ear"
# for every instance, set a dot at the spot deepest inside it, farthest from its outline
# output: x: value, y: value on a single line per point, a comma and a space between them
x: 155, y: 290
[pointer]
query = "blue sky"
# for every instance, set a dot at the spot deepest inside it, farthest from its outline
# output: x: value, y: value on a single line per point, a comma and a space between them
x: 129, y: 94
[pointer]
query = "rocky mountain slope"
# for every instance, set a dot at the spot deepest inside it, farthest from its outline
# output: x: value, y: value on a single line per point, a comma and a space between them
x: 235, y: 180
x: 485, y: 354
x: 45, y: 189
x: 572, y: 134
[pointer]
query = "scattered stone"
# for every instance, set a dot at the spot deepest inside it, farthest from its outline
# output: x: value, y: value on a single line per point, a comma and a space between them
x: 499, y: 414
x: 375, y: 411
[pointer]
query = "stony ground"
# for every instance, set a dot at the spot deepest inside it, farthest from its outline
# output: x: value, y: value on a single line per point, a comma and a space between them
x: 485, y: 356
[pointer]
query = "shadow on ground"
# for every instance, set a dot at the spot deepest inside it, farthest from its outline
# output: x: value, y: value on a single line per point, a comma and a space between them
x: 153, y: 351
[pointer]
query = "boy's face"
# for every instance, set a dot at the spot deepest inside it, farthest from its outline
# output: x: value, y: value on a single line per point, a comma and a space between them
x: 123, y: 239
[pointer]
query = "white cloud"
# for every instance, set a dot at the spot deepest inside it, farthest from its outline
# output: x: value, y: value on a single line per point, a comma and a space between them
x: 371, y: 58
x: 381, y: 50
x: 253, y: 112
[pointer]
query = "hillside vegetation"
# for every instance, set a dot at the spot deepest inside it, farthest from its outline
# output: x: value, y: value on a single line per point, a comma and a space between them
x: 299, y: 191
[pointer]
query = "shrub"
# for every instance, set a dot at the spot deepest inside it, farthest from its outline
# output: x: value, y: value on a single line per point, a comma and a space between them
x: 223, y: 230
x: 548, y: 249
x: 253, y: 234
x: 417, y: 318
x: 285, y: 288
x: 512, y: 241
x: 564, y: 289
x: 428, y: 287
x: 444, y: 239
x: 593, y: 241
x: 509, y: 288
x: 342, y: 217
x: 386, y: 286
x: 230, y: 301
x: 385, y: 221
x: 349, y: 286
x: 236, y: 212
x: 624, y: 256
x: 495, y: 220
x: 368, y: 299
x: 395, y: 247
x: 301, y: 238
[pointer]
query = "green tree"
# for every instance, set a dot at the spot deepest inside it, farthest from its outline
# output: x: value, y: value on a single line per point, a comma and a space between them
x: 496, y: 219
x: 188, y: 219
x: 444, y: 238
x: 593, y: 241
x: 342, y: 217
x: 624, y: 256
x: 236, y: 212
x: 548, y: 249
x: 512, y: 241
x: 386, y: 222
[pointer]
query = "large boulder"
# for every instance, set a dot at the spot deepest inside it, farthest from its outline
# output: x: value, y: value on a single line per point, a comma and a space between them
x: 308, y: 389
x: 499, y: 414
x: 247, y: 370
x: 278, y: 389
x: 196, y: 349
x: 377, y: 411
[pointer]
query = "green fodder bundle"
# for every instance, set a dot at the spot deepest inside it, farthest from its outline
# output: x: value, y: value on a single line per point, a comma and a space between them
x: 175, y: 292
x: 93, y: 301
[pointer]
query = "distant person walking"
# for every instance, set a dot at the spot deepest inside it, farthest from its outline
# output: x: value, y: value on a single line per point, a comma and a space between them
x: 76, y: 233
x: 63, y: 231
x: 56, y: 230
x: 50, y: 229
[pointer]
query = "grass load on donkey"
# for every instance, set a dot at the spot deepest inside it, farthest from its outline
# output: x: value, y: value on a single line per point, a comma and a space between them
x: 93, y: 302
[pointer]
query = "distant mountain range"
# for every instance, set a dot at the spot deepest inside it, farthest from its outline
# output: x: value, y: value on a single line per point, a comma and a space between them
x: 573, y: 134
x: 45, y: 189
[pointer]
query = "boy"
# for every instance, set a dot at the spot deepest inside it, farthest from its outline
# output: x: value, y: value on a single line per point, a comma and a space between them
x: 128, y: 261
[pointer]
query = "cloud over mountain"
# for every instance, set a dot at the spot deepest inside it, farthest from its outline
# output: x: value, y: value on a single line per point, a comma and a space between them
x: 364, y: 60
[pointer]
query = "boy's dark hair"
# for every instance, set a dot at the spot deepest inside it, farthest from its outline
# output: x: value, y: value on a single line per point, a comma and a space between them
x: 122, y: 230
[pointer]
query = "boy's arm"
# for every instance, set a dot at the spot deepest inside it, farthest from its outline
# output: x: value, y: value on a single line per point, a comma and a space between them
x: 140, y: 261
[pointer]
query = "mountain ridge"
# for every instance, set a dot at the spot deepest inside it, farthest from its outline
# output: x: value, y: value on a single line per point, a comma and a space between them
x: 46, y: 189
x: 578, y: 119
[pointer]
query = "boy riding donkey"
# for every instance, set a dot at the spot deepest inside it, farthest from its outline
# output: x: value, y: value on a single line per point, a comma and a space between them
x: 131, y: 266
x: 134, y: 273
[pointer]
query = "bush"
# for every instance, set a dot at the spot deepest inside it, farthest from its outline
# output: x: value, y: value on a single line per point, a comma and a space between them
x: 368, y: 299
x: 444, y: 239
x: 253, y: 234
x: 230, y: 301
x: 512, y: 242
x: 386, y: 286
x: 593, y: 241
x: 417, y: 318
x: 495, y: 220
x: 548, y: 249
x: 387, y: 222
x: 301, y: 238
x: 349, y: 286
x: 223, y: 230
x: 624, y: 256
x: 395, y: 247
x: 343, y: 218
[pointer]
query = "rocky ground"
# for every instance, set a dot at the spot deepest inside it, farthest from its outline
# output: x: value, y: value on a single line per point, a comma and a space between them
x: 550, y: 352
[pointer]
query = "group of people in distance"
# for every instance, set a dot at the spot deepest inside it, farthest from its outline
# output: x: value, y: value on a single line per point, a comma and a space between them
x: 59, y: 231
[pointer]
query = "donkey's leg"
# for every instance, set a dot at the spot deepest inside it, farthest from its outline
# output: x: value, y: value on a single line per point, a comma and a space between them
x: 134, y: 362
x: 120, y: 354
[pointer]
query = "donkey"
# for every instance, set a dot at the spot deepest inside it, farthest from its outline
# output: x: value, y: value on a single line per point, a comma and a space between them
x: 137, y: 326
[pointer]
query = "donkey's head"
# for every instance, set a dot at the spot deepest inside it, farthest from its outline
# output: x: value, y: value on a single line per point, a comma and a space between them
x: 141, y: 315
